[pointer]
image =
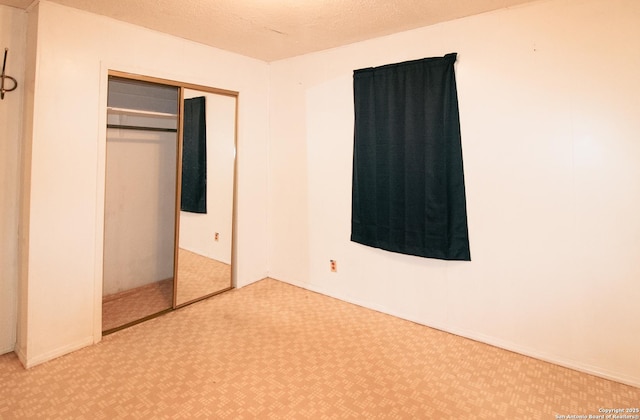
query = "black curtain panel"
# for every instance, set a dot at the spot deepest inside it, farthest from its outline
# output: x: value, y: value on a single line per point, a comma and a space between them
x: 194, y: 157
x: 408, y: 183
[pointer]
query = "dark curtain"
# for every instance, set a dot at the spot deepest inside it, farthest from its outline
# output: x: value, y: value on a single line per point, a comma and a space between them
x: 408, y: 182
x: 194, y: 157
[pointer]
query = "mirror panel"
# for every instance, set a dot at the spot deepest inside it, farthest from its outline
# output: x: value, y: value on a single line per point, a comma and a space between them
x: 205, y: 239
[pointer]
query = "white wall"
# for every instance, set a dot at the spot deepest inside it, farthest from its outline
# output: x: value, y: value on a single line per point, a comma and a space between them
x: 13, y: 36
x: 140, y: 206
x: 61, y: 281
x: 549, y: 98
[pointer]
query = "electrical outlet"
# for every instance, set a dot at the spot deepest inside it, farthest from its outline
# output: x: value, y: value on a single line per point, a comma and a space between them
x: 333, y: 265
x: 216, y: 237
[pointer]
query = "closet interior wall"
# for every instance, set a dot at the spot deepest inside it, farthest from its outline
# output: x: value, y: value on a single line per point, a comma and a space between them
x: 140, y: 191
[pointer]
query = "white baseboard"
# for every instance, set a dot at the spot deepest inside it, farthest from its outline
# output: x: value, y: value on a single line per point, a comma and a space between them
x: 21, y: 354
x: 50, y: 355
x: 493, y: 341
x: 7, y: 349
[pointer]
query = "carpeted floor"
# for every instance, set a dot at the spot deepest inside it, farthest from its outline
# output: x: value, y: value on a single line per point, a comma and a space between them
x: 131, y: 305
x: 198, y: 276
x: 272, y: 350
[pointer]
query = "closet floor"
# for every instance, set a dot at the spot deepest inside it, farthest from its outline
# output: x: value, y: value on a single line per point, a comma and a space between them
x: 132, y: 305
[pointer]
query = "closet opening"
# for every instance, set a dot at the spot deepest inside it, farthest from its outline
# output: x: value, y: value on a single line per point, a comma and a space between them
x: 170, y: 194
x: 140, y: 203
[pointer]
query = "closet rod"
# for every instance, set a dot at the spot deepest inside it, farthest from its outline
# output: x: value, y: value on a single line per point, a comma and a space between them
x: 138, y: 127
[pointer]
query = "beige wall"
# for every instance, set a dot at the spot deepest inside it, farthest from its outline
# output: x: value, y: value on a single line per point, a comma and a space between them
x: 12, y: 35
x: 62, y: 281
x: 549, y: 115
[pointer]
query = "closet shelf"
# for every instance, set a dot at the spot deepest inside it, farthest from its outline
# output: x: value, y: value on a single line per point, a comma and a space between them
x: 129, y: 111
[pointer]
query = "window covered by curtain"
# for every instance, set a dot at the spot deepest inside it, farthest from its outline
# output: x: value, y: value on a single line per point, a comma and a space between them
x: 408, y: 183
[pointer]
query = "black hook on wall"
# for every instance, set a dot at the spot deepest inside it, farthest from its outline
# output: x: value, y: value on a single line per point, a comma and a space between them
x: 3, y: 76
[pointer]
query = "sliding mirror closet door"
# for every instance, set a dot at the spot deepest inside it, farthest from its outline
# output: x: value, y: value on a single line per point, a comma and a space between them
x: 140, y: 201
x: 207, y: 195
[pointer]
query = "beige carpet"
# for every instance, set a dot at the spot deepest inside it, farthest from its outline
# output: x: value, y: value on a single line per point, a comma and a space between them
x: 271, y: 350
x: 132, y: 305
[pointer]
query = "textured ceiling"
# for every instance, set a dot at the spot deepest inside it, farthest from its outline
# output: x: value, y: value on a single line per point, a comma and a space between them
x: 274, y: 29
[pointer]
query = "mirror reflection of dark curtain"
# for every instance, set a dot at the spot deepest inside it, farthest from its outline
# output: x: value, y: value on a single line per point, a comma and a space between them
x: 408, y: 182
x: 194, y: 157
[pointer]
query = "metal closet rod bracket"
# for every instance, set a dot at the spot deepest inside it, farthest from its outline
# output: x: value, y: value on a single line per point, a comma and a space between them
x: 3, y: 76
